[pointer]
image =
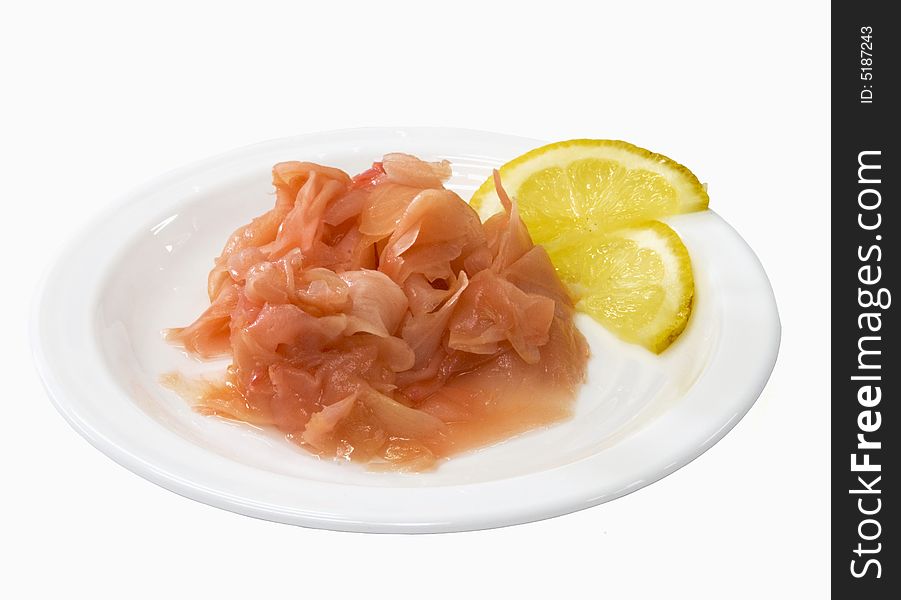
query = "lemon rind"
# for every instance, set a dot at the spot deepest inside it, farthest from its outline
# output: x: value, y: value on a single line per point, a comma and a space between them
x: 678, y: 282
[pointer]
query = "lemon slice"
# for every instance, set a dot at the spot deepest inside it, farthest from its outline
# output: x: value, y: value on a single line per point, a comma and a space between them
x: 592, y: 186
x: 595, y: 205
x: 636, y: 281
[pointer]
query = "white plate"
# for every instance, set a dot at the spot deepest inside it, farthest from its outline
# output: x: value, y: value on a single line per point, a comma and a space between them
x: 142, y: 267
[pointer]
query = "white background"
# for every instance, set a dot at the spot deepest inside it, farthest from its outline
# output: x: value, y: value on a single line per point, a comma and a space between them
x: 99, y: 97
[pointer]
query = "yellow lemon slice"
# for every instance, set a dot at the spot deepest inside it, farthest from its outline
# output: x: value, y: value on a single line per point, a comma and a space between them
x: 594, y: 205
x: 637, y: 281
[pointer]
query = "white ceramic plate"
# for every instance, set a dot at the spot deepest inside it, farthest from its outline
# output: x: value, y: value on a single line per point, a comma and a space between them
x: 142, y: 267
